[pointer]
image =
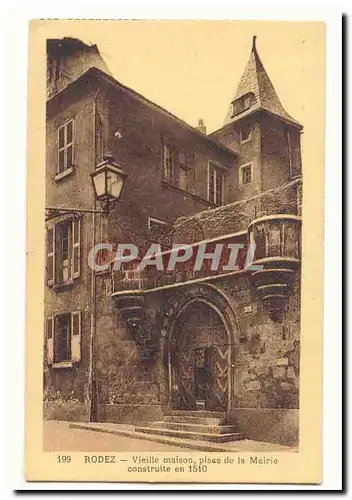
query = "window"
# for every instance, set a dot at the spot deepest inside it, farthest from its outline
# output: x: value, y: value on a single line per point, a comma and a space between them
x: 64, y: 252
x: 182, y: 159
x: 169, y: 154
x: 64, y: 234
x: 131, y: 275
x: 99, y: 139
x: 65, y: 147
x: 246, y: 133
x: 246, y: 174
x: 242, y: 104
x: 215, y: 184
x: 182, y: 179
x: 63, y: 338
x: 247, y: 100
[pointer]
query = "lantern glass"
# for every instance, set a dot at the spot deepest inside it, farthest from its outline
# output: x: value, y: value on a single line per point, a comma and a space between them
x: 99, y: 184
x: 108, y: 180
x: 114, y: 183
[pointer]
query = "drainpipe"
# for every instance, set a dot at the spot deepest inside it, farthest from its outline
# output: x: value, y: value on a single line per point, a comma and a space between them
x: 289, y: 152
x: 92, y: 385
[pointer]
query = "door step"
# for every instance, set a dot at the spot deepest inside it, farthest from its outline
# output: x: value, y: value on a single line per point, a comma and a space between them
x: 197, y: 413
x: 214, y: 438
x: 191, y: 419
x: 194, y: 427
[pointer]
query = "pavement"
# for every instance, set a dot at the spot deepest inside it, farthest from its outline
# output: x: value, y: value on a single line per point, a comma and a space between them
x: 88, y: 436
x: 58, y: 436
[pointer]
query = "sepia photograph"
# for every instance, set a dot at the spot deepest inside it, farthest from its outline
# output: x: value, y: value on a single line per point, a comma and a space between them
x: 177, y: 222
x: 172, y: 301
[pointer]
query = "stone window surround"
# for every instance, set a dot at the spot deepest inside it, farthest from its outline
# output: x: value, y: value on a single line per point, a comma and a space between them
x: 242, y: 167
x: 249, y: 137
x: 223, y: 170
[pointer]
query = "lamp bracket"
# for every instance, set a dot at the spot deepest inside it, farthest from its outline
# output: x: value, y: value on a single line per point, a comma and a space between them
x: 54, y: 212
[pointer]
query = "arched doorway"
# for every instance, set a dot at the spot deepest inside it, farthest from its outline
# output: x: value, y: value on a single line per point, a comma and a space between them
x: 199, y: 359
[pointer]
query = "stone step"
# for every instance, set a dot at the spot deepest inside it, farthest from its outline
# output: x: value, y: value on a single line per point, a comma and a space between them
x: 196, y: 427
x: 188, y: 444
x: 214, y: 438
x: 197, y: 413
x: 191, y: 419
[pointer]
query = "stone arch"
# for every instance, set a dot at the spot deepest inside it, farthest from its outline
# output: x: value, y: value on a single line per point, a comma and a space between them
x: 177, y: 308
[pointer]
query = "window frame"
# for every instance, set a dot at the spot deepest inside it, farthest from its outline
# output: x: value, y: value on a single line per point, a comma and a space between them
x: 238, y: 105
x: 243, y: 141
x: 73, y: 320
x: 58, y: 332
x: 166, y: 177
x: 222, y: 170
x: 66, y: 170
x: 54, y: 260
x: 241, y: 170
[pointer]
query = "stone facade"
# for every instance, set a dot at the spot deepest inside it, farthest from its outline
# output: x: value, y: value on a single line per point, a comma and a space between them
x: 132, y: 334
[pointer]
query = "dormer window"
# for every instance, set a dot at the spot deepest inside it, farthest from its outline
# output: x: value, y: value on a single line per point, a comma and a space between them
x: 242, y: 104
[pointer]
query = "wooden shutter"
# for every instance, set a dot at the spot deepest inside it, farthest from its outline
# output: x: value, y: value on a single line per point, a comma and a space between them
x: 50, y: 261
x: 50, y: 331
x: 76, y: 336
x: 76, y: 247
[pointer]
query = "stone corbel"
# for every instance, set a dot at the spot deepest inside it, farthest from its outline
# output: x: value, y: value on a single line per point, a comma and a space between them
x: 277, y: 250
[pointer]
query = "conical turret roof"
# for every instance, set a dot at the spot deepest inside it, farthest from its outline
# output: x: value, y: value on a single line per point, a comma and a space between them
x: 255, y: 81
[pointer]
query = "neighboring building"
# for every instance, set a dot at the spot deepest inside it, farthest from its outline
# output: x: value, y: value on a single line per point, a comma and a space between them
x: 67, y: 59
x: 130, y: 345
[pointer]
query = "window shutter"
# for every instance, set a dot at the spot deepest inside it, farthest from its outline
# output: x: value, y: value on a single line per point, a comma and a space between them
x: 76, y: 336
x: 50, y: 261
x: 50, y: 331
x: 76, y: 247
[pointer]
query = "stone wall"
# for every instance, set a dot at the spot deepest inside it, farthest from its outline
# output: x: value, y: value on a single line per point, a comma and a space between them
x: 137, y: 414
x: 144, y: 195
x: 269, y: 425
x: 126, y: 360
x: 238, y: 215
x: 73, y: 190
x: 266, y: 373
x: 131, y: 366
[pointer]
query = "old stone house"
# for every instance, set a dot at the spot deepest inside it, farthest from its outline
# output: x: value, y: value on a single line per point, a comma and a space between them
x: 136, y: 346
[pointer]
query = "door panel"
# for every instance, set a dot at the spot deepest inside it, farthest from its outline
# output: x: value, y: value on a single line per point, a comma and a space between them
x: 220, y: 378
x: 186, y: 379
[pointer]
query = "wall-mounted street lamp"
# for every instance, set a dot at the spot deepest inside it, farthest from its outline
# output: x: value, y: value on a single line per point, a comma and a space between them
x: 108, y: 180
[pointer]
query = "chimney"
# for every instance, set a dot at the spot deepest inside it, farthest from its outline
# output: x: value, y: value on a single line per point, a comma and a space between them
x: 201, y: 127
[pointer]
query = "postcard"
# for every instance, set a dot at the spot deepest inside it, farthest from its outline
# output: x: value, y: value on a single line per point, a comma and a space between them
x: 175, y: 278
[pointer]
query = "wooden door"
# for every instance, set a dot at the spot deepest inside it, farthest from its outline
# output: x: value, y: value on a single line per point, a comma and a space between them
x: 186, y: 379
x: 220, y: 376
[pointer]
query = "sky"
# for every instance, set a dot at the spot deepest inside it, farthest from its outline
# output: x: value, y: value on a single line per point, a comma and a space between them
x: 192, y: 68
